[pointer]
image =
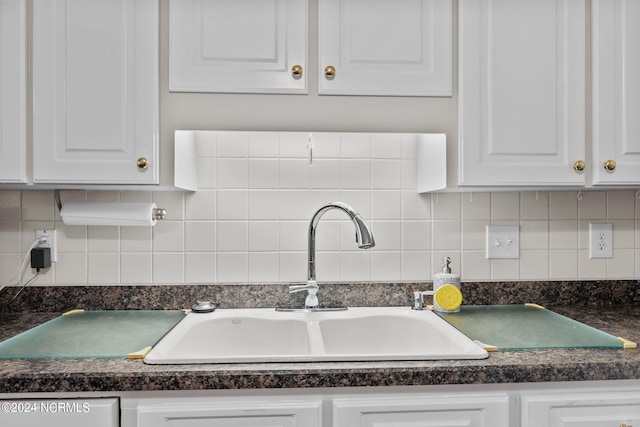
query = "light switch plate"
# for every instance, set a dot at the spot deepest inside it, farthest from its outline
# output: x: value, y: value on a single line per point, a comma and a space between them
x: 503, y: 241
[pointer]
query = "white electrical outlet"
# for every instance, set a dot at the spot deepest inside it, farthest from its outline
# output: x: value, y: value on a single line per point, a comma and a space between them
x: 503, y: 241
x: 600, y: 240
x: 48, y: 240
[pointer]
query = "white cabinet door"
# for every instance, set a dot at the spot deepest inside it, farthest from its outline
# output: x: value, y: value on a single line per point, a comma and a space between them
x: 604, y: 409
x: 385, y: 47
x: 95, y: 91
x: 616, y: 91
x: 93, y: 412
x: 249, y: 46
x: 522, y: 92
x: 13, y: 71
x: 415, y: 410
x: 229, y: 412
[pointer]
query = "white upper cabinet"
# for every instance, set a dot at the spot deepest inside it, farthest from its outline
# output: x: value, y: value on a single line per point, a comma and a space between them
x: 385, y: 47
x: 242, y: 46
x: 13, y: 110
x: 616, y: 92
x: 95, y: 91
x: 522, y: 92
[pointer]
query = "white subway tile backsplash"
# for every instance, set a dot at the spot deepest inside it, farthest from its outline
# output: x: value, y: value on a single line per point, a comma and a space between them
x: 416, y: 236
x: 232, y: 144
x: 257, y: 193
x: 168, y: 236
x: 232, y: 205
x: 621, y: 204
x: 232, y: 236
x: 563, y: 205
x: 264, y: 204
x: 592, y: 205
x: 231, y: 173
x: 263, y: 173
x: 103, y: 268
x: 356, y: 146
x: 386, y: 174
x: 325, y: 174
x: 200, y: 267
x: 386, y: 146
x: 295, y: 173
x: 264, y: 236
x: 293, y: 267
x: 200, y: 236
x: 356, y: 174
x: 386, y: 204
x: 264, y: 267
x: 534, y: 205
x: 133, y: 239
x: 505, y: 206
x: 168, y: 267
x: 10, y: 203
x: 264, y: 144
x: 563, y: 234
x: 589, y: 268
x: 200, y: 205
x: 386, y: 266
x: 446, y: 206
x: 326, y: 145
x: 534, y: 264
x: 136, y: 268
x: 37, y: 206
x: 622, y: 265
x: 416, y: 266
x: 103, y: 239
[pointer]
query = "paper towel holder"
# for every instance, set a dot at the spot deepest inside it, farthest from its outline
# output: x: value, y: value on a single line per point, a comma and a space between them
x: 156, y: 214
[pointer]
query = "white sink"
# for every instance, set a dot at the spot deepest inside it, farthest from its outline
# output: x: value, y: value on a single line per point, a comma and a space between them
x: 358, y: 334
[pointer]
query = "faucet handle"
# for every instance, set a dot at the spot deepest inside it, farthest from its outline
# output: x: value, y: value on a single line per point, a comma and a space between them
x: 311, y: 285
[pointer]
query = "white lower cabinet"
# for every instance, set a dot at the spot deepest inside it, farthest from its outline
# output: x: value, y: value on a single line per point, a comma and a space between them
x: 226, y: 412
x: 423, y: 410
x: 594, y: 409
x: 52, y: 412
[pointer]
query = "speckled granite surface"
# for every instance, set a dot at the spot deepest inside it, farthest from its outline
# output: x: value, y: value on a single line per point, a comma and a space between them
x: 610, y: 306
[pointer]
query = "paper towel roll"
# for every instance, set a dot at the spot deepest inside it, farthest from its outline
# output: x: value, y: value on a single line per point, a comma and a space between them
x: 137, y: 214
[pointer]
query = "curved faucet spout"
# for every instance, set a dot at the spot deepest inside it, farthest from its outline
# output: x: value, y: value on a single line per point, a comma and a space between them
x: 364, y: 237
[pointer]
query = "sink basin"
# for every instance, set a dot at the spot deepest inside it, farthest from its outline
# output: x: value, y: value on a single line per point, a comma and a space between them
x: 358, y: 334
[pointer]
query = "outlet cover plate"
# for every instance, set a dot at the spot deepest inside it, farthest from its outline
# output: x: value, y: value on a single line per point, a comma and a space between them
x: 600, y: 240
x: 503, y: 241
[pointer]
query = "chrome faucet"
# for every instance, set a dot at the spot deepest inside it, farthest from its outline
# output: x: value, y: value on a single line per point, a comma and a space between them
x: 364, y: 239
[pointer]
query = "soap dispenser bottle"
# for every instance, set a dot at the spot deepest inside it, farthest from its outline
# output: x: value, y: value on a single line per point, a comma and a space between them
x: 446, y: 277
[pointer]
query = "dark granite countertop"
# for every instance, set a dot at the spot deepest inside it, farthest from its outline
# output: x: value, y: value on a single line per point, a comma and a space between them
x: 613, y: 307
x: 73, y: 375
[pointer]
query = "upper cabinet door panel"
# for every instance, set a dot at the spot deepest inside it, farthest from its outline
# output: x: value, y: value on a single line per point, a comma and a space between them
x: 13, y: 125
x: 616, y: 91
x: 385, y: 47
x: 95, y: 91
x: 522, y: 78
x: 241, y: 46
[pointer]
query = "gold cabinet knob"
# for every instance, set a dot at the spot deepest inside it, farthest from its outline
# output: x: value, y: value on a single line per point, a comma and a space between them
x: 330, y: 72
x: 296, y: 71
x: 625, y: 425
x: 609, y: 165
x: 143, y: 163
x: 579, y: 166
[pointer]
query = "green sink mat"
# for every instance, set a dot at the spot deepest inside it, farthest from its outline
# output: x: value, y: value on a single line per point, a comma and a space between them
x: 92, y: 334
x: 526, y: 327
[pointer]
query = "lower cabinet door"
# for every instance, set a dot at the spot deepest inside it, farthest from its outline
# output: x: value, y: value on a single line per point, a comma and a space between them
x: 423, y: 411
x: 231, y: 413
x: 94, y: 412
x: 598, y: 409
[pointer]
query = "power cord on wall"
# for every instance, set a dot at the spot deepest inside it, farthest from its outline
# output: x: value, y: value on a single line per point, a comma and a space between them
x: 22, y: 270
